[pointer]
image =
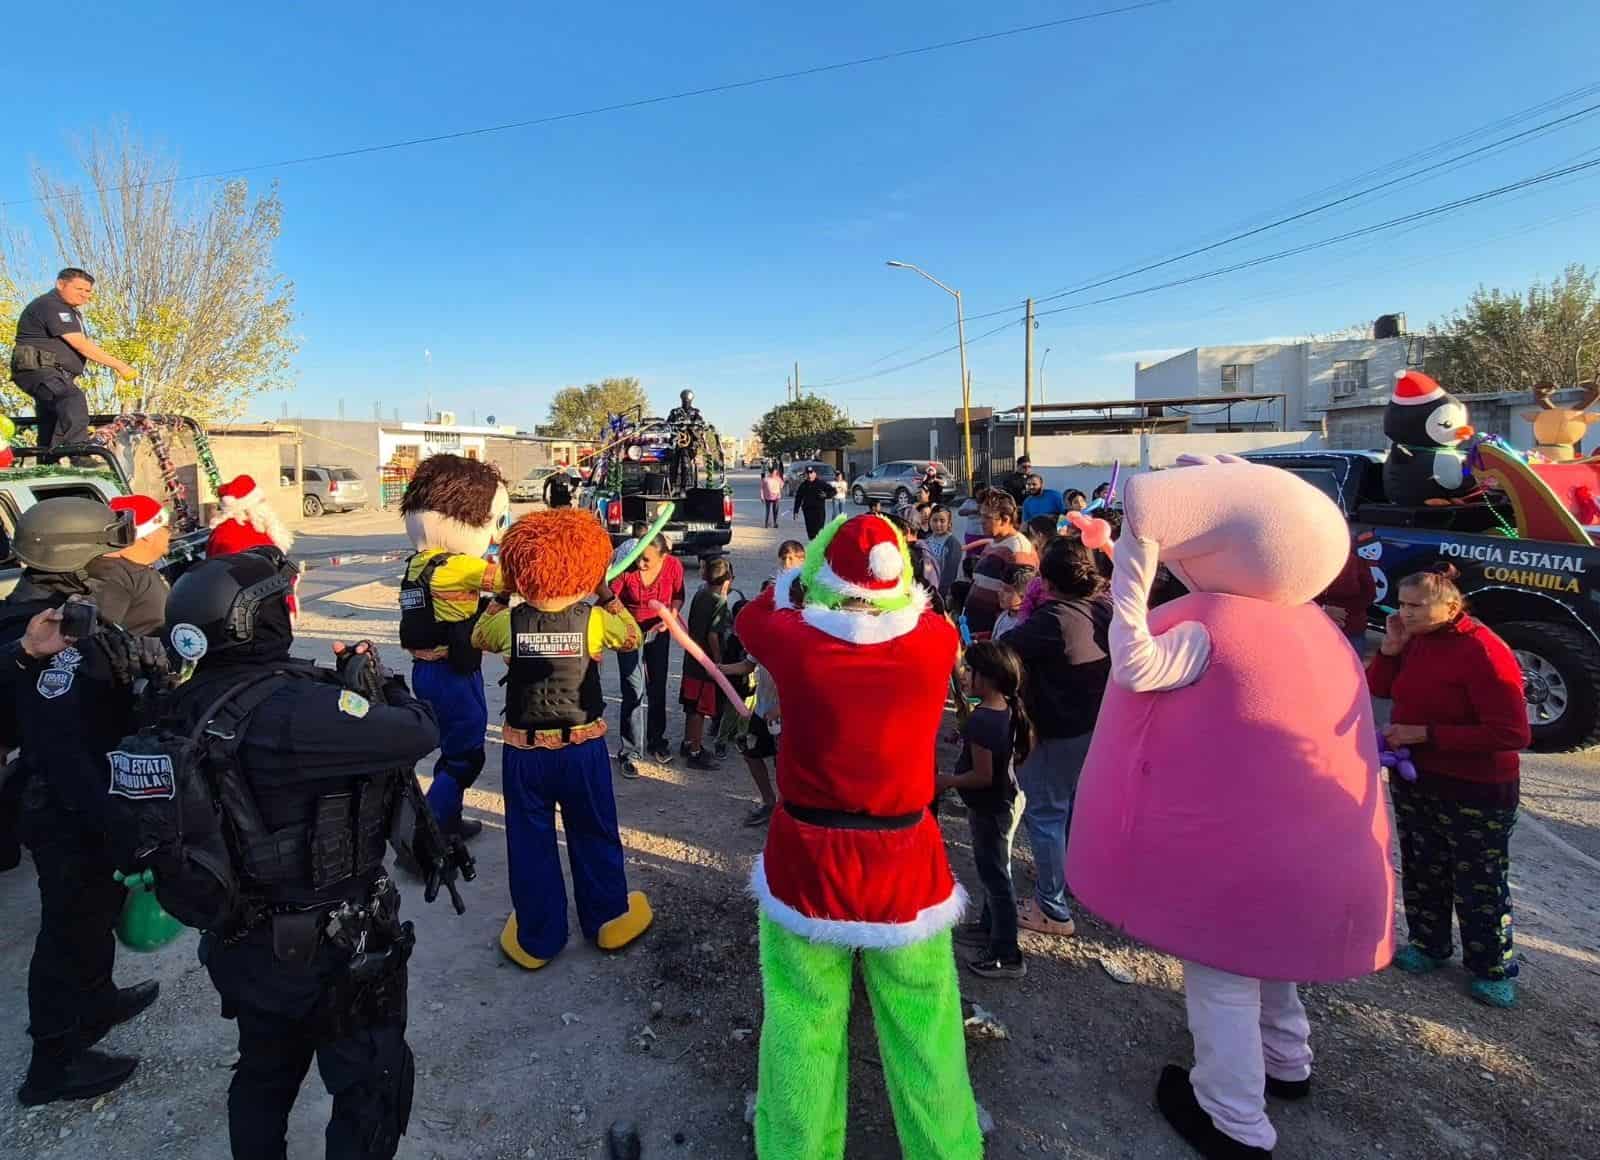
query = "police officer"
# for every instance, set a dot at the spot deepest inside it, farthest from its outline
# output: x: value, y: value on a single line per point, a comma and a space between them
x: 49, y: 354
x: 70, y: 700
x: 688, y: 427
x: 314, y: 963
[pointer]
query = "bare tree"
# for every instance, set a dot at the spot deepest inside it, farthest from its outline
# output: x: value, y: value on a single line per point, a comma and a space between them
x: 184, y: 284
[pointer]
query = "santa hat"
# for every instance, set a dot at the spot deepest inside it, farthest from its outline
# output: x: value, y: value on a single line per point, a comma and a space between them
x: 1412, y: 388
x: 860, y: 558
x: 246, y: 520
x: 149, y: 516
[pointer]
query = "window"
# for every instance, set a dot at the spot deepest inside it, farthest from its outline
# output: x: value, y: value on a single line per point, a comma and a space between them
x: 344, y: 474
x: 1349, y: 377
x: 1238, y: 378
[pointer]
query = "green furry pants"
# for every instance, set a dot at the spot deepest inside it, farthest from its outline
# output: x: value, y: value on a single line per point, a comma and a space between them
x: 805, y: 1052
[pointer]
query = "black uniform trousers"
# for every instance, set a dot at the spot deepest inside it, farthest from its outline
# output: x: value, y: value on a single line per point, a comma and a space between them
x: 59, y: 403
x: 70, y: 991
x: 815, y: 516
x: 281, y: 1010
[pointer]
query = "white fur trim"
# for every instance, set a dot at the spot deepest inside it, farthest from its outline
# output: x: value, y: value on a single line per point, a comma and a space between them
x: 257, y: 514
x: 885, y: 562
x: 156, y: 522
x: 867, y: 935
x: 781, y: 583
x: 860, y: 627
x: 833, y: 582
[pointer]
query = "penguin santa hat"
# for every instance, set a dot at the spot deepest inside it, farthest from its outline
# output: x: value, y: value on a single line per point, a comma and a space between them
x: 1413, y: 389
x: 245, y: 520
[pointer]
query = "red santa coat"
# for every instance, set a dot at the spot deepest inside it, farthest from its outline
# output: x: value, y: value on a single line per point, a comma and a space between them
x: 862, y: 698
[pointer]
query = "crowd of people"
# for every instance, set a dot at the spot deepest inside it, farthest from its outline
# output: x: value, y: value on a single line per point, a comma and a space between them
x: 1025, y: 584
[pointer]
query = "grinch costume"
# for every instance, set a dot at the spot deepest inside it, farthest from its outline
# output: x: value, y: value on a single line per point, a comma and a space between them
x: 554, y: 738
x: 854, y: 860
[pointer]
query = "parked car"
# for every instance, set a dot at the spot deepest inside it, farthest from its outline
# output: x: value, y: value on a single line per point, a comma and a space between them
x: 329, y: 489
x: 530, y: 488
x: 897, y: 481
x: 796, y: 471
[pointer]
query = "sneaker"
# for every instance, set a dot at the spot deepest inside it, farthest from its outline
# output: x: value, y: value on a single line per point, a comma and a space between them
x: 700, y: 759
x: 661, y: 752
x: 1288, y: 1089
x: 1501, y: 993
x: 993, y: 967
x: 971, y: 934
x: 759, y: 816
x: 1030, y: 917
x: 1416, y: 961
x: 629, y: 769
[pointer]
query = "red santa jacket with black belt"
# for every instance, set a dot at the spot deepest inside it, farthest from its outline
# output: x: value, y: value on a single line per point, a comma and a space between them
x: 862, y: 696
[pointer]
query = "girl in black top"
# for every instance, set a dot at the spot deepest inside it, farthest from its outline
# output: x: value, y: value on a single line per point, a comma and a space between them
x: 996, y: 735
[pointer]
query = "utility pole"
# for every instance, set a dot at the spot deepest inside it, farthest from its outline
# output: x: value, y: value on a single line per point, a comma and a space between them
x: 1027, y: 382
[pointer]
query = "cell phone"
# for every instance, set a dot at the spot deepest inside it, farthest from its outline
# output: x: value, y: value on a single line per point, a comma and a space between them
x: 79, y: 619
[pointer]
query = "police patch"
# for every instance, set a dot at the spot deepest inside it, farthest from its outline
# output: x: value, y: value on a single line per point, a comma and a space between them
x: 141, y: 776
x: 550, y: 644
x: 66, y: 315
x: 56, y: 681
x: 413, y: 599
x: 188, y: 641
x: 353, y: 704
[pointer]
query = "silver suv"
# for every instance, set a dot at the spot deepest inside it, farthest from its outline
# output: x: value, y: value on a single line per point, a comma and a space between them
x: 329, y: 489
x: 898, y: 481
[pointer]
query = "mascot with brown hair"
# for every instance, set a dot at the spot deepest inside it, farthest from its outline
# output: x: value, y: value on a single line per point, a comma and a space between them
x: 555, y: 748
x: 454, y: 509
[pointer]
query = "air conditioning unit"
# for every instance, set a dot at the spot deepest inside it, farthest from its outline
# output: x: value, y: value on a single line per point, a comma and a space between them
x: 445, y: 418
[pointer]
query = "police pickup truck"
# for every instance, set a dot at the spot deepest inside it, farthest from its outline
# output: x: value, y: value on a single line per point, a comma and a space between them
x: 1542, y: 598
x: 634, y: 476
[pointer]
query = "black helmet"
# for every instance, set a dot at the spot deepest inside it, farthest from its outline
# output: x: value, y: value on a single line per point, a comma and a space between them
x: 231, y: 601
x: 63, y: 535
x: 686, y: 397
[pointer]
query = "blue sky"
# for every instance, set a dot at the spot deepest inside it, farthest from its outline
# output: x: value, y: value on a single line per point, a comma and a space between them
x: 712, y: 242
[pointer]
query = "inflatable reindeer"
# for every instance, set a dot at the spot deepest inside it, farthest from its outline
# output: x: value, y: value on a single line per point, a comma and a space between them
x: 1558, y: 430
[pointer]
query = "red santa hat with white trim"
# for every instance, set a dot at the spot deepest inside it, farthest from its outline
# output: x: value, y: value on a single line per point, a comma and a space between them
x: 149, y: 516
x: 1413, y: 388
x: 245, y: 520
x: 859, y: 558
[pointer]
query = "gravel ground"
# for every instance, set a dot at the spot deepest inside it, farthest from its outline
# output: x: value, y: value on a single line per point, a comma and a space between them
x: 664, y: 1035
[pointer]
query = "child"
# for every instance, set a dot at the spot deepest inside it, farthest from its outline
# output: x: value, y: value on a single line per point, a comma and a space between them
x: 791, y: 554
x: 708, y: 623
x: 943, y: 543
x: 924, y: 565
x: 875, y: 507
x: 971, y: 511
x: 756, y: 742
x: 924, y: 511
x: 996, y: 734
x: 1011, y: 598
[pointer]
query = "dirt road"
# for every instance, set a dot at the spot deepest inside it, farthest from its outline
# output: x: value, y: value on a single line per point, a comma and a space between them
x: 512, y: 1064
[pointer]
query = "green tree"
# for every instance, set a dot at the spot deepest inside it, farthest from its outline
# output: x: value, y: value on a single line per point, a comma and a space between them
x: 803, y: 428
x: 185, y: 288
x: 1509, y: 342
x: 581, y: 412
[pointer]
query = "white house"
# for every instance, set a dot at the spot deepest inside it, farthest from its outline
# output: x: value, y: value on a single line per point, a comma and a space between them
x: 1315, y: 377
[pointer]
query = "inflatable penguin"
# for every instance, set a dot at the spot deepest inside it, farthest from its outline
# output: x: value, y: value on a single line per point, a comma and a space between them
x: 1424, y: 425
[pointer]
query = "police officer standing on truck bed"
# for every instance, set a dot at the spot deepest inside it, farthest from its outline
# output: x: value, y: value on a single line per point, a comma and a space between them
x: 314, y: 961
x: 68, y: 693
x: 49, y: 354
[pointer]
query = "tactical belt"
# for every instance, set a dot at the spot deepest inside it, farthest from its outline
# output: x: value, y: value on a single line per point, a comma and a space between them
x: 841, y: 820
x: 552, y: 738
x: 31, y: 358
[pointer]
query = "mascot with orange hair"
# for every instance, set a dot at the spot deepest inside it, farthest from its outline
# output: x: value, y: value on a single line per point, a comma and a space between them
x: 555, y: 749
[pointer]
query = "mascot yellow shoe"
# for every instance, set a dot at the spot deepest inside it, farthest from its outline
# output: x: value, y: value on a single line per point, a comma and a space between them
x: 623, y: 929
x: 513, y: 949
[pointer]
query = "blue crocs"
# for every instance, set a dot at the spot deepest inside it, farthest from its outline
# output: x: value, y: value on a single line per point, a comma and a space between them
x: 1500, y: 993
x: 1415, y: 961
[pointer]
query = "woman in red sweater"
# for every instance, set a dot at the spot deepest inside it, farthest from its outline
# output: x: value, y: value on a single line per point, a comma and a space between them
x: 1458, y: 706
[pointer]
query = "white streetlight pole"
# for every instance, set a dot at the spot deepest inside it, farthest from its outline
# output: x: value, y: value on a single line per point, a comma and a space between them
x: 1042, y: 360
x: 961, y: 345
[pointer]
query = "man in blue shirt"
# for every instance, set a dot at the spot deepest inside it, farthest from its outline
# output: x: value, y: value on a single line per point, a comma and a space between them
x: 1040, y: 500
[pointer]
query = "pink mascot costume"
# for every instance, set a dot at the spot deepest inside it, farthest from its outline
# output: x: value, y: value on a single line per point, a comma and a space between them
x: 1229, y: 811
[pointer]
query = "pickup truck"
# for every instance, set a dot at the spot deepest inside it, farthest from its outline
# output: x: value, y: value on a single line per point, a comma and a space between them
x: 1542, y: 598
x: 633, y: 479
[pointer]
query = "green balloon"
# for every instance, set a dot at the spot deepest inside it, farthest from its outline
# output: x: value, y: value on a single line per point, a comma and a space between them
x: 637, y: 550
x: 144, y: 924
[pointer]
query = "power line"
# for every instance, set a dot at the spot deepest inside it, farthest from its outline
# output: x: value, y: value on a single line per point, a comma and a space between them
x: 639, y: 103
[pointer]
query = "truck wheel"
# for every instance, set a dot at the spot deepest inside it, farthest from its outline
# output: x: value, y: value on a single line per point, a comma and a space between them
x: 1561, y: 681
x: 312, y: 506
x: 858, y: 496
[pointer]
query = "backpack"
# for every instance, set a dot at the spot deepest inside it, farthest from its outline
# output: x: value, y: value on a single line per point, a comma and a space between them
x: 168, y: 794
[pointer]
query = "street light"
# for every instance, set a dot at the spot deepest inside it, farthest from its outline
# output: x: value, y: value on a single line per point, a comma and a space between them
x: 961, y: 345
x: 1044, y: 358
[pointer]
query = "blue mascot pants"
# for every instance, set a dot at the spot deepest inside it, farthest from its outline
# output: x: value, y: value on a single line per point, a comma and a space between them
x: 578, y: 779
x: 459, y: 704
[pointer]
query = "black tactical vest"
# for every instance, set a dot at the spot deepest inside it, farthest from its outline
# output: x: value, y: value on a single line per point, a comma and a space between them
x: 419, y: 629
x: 553, y: 682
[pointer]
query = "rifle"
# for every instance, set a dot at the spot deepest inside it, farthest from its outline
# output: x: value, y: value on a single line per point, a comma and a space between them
x: 440, y: 860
